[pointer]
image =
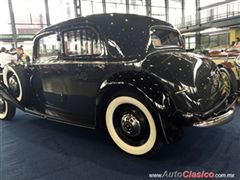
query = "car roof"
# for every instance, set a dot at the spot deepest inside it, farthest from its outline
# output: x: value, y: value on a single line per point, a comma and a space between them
x: 129, y: 31
x: 109, y: 21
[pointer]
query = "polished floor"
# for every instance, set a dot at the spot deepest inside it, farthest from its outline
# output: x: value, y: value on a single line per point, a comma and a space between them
x: 33, y: 148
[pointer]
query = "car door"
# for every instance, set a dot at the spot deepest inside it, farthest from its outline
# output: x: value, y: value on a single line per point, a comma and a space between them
x: 70, y: 75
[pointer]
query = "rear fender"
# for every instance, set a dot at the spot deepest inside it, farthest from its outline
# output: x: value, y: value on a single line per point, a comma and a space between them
x: 148, y: 87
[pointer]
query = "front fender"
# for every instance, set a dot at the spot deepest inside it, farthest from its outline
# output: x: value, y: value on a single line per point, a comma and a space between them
x: 8, y: 96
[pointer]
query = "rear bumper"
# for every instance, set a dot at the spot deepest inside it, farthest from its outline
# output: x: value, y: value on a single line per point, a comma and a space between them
x: 223, y: 118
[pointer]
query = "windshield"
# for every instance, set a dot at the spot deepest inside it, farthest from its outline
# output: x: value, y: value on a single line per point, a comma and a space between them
x: 165, y: 37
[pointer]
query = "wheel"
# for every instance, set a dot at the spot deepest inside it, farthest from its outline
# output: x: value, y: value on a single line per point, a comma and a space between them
x: 7, y: 110
x: 14, y: 77
x: 131, y: 125
x: 229, y: 79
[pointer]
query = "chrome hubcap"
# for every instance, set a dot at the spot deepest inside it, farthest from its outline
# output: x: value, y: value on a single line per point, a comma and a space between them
x: 13, y: 85
x: 130, y: 125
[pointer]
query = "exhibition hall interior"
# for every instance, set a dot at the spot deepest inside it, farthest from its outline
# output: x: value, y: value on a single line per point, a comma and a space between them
x: 119, y: 89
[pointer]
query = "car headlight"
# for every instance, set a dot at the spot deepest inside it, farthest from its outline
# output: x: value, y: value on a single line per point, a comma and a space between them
x: 237, y: 61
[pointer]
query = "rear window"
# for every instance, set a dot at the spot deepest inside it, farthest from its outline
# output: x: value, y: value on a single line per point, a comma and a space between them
x: 165, y: 37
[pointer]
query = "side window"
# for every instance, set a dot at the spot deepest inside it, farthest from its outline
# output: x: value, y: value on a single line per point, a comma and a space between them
x: 82, y: 42
x: 49, y: 46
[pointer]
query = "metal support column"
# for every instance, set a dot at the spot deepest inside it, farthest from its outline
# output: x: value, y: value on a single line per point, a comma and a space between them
x: 148, y: 7
x: 167, y: 10
x: 77, y: 7
x: 198, y: 14
x: 198, y: 40
x: 127, y: 7
x: 47, y: 12
x: 104, y: 6
x: 12, y: 17
x: 183, y: 13
x: 198, y: 23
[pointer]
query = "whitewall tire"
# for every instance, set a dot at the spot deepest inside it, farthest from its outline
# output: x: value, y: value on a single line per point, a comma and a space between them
x: 3, y: 114
x: 131, y: 124
x: 15, y: 78
x: 6, y: 71
x: 7, y: 111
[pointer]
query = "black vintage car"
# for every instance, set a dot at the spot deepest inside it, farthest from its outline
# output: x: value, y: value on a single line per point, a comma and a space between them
x: 127, y: 73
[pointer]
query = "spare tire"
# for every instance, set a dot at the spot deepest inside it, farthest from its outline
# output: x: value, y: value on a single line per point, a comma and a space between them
x: 15, y: 78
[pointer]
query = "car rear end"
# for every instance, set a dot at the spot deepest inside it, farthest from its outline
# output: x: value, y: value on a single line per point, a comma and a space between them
x: 199, y: 91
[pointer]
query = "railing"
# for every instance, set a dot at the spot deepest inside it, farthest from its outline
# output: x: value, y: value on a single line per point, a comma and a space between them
x: 213, y: 14
x: 219, y: 16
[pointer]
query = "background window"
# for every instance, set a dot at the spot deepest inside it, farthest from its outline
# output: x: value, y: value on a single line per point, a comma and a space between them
x: 81, y: 42
x: 91, y: 7
x: 49, y: 46
x: 175, y: 11
x: 158, y: 9
x: 137, y: 7
x: 59, y: 10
